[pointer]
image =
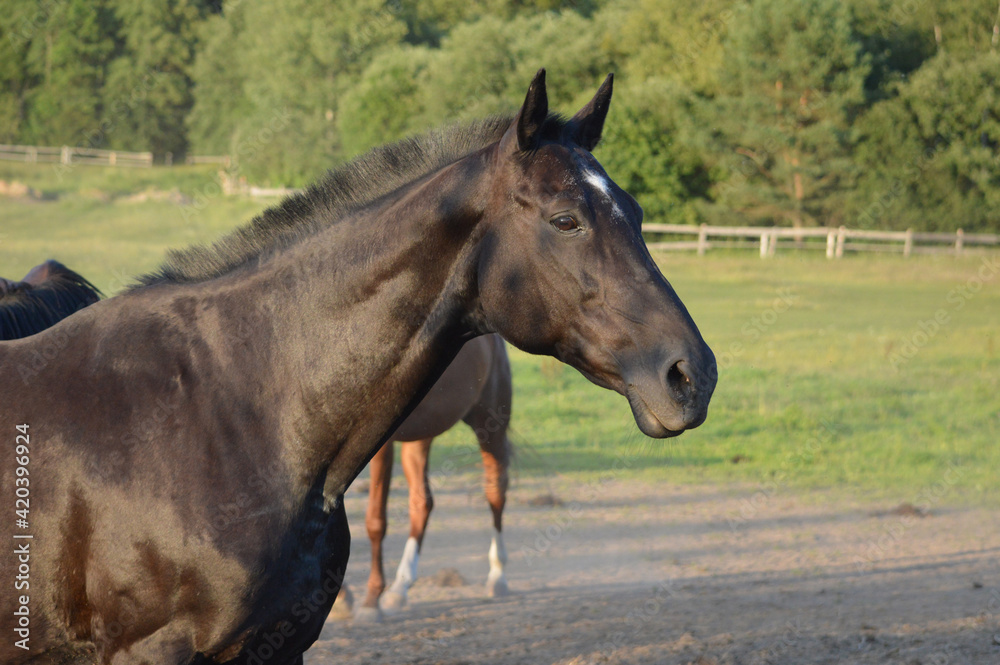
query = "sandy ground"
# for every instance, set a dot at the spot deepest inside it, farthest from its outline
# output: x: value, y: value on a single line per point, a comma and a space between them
x: 626, y: 572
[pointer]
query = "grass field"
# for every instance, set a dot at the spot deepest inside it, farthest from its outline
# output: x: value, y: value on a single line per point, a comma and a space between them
x: 872, y: 375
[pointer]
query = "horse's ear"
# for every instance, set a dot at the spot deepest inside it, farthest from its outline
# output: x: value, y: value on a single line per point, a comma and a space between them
x: 525, y: 132
x: 586, y: 126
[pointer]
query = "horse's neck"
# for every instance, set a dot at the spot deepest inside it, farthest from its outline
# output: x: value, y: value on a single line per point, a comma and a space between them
x: 375, y: 314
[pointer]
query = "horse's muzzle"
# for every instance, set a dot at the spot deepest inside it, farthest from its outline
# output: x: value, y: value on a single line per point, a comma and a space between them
x: 666, y: 403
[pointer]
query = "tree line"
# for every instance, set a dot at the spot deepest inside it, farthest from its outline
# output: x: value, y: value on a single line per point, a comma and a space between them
x: 867, y: 113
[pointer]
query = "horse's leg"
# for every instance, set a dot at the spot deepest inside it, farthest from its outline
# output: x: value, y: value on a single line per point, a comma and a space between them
x: 414, y: 456
x: 378, y: 497
x: 489, y: 419
x: 495, y: 480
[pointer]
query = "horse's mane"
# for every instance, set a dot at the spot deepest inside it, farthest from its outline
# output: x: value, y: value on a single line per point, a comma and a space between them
x: 26, y: 309
x: 341, y: 191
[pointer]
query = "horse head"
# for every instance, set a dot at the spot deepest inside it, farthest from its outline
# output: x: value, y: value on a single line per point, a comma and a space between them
x: 569, y: 275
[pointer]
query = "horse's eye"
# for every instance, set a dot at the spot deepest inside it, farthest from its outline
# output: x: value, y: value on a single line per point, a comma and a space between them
x: 565, y: 223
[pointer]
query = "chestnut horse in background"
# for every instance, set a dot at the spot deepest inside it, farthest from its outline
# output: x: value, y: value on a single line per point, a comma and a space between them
x: 46, y: 295
x: 476, y: 388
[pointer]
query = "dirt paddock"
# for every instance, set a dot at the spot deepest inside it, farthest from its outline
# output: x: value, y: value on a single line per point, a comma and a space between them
x: 632, y: 572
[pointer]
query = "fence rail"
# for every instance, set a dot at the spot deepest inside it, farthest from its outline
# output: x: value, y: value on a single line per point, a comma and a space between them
x: 767, y: 239
x: 838, y: 240
x: 208, y: 159
x: 66, y: 155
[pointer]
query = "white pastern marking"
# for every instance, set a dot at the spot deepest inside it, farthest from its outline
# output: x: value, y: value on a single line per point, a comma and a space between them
x: 498, y: 556
x: 406, y: 574
x: 603, y: 185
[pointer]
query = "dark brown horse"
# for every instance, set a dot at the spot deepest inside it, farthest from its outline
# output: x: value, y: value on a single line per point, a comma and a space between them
x: 169, y: 461
x: 48, y: 294
x: 476, y: 388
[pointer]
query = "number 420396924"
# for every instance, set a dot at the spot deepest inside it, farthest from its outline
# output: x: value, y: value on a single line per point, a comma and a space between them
x: 21, y: 458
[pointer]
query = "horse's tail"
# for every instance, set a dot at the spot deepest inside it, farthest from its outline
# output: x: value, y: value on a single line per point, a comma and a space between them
x: 27, y: 308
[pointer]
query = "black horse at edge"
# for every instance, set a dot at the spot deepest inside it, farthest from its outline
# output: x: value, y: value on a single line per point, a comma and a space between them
x: 45, y: 296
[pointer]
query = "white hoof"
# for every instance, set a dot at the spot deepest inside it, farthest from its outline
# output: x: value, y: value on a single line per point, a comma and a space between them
x: 497, y: 588
x: 367, y: 615
x: 496, y: 583
x: 392, y: 601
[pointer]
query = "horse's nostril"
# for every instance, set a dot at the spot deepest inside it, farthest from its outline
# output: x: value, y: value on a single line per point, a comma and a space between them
x: 679, y: 382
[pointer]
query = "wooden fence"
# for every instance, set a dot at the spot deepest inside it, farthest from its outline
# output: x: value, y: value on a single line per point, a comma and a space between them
x: 834, y: 241
x: 767, y: 239
x: 208, y: 159
x: 67, y: 155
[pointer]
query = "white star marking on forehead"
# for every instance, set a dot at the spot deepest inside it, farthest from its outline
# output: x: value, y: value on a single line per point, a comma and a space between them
x: 602, y: 185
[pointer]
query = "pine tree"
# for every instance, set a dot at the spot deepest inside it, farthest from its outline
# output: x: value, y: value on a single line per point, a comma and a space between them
x: 794, y: 81
x: 929, y: 156
x: 16, y: 31
x: 64, y: 64
x: 148, y: 92
x: 295, y: 60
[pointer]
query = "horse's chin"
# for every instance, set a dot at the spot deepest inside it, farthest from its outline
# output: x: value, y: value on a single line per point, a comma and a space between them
x: 646, y: 420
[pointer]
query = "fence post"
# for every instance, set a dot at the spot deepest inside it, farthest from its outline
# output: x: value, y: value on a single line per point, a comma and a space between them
x: 831, y: 239
x: 763, y: 244
x: 908, y: 244
x: 32, y: 155
x: 959, y: 242
x: 66, y: 155
x: 841, y: 238
x: 702, y: 239
x: 112, y: 158
x: 772, y: 245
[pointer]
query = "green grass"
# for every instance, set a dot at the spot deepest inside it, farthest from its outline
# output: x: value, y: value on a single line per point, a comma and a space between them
x: 812, y: 400
x: 96, y: 226
x: 812, y: 396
